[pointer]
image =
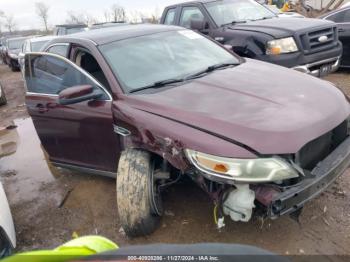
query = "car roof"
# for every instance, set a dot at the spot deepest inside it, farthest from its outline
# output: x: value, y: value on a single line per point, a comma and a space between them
x: 72, y: 25
x: 42, y: 38
x: 111, y: 34
x: 18, y: 38
x: 193, y: 2
x: 345, y: 7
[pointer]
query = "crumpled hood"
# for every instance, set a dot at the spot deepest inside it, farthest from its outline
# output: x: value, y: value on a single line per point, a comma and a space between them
x: 283, y: 27
x: 271, y: 109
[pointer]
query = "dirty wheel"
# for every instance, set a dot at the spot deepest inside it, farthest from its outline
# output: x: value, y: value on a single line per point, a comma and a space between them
x: 3, y: 100
x: 139, y: 203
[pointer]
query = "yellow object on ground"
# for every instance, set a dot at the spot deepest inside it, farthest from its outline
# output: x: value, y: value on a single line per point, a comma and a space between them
x: 74, y: 249
x: 285, y: 8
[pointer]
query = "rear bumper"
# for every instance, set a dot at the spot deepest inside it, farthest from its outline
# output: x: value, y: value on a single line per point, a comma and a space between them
x: 323, y: 175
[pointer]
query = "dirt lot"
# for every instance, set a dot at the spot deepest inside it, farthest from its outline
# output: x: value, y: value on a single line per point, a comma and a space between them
x: 50, y: 204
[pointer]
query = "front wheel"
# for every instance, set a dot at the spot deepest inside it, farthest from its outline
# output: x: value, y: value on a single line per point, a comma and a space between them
x: 139, y: 204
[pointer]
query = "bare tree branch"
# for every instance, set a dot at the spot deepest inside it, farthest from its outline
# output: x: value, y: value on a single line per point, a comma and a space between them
x: 80, y: 18
x: 118, y: 13
x: 42, y: 10
x: 10, y: 23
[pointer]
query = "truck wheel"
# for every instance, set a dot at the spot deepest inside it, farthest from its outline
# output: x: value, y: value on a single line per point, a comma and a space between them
x: 3, y: 100
x: 139, y: 204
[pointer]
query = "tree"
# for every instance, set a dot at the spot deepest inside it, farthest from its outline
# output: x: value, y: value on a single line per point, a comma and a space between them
x: 118, y: 13
x: 107, y: 16
x: 10, y: 23
x: 80, y: 18
x: 42, y: 10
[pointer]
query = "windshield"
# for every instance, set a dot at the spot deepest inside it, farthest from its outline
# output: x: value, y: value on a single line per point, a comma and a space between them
x: 231, y: 11
x: 75, y: 30
x: 36, y: 46
x: 144, y: 60
x: 15, y: 44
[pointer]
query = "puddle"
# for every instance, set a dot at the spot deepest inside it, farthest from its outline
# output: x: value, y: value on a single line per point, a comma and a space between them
x: 23, y: 164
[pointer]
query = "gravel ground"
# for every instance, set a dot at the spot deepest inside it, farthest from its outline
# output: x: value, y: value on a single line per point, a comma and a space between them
x: 51, y: 204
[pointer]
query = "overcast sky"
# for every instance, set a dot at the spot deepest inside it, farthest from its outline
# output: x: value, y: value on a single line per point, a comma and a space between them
x: 26, y: 18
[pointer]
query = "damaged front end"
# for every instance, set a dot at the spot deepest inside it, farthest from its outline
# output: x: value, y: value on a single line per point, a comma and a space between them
x: 272, y: 186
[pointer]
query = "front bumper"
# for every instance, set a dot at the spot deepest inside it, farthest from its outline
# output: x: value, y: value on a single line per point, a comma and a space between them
x: 307, y: 62
x: 320, y: 68
x: 321, y: 177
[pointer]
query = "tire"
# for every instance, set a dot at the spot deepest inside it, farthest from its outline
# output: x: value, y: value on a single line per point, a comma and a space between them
x: 3, y: 100
x: 136, y: 213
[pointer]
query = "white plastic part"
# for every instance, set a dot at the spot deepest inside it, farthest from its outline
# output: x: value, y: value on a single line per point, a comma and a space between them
x: 6, y: 222
x: 221, y: 222
x: 240, y: 203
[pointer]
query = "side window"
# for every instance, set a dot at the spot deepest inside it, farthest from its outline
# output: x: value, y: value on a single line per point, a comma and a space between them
x: 190, y: 13
x: 50, y: 75
x: 61, y: 50
x: 170, y: 17
x: 86, y: 61
x: 341, y: 17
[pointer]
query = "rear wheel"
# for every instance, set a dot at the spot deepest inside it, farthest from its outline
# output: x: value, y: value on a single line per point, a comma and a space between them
x: 3, y: 100
x: 139, y: 203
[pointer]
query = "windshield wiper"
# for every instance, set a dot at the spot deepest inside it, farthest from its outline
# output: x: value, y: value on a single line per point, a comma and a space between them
x: 235, y: 22
x: 210, y: 69
x: 163, y: 83
x: 159, y: 84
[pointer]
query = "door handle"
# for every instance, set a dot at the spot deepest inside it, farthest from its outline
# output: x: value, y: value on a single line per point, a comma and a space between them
x: 51, y: 106
x: 41, y: 108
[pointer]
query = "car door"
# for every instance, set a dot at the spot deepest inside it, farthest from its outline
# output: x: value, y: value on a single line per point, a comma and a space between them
x: 78, y: 135
x: 342, y: 18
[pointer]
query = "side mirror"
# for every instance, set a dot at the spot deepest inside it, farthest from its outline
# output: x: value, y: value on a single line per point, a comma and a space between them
x: 198, y: 24
x: 77, y: 94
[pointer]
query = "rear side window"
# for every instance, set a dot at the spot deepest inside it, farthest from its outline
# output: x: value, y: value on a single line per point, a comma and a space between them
x: 341, y: 17
x: 190, y: 13
x: 61, y: 50
x: 170, y: 17
x: 50, y: 75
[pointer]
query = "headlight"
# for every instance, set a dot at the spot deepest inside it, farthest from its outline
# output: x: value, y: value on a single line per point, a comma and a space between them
x: 281, y: 46
x: 14, y: 56
x: 242, y: 170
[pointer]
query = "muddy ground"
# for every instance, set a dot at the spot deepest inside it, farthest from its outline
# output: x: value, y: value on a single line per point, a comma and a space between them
x: 49, y: 205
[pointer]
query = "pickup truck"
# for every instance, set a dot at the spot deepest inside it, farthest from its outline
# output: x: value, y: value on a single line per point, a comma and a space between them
x: 253, y: 31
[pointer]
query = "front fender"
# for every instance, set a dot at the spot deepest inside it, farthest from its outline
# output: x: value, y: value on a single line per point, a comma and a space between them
x: 249, y: 44
x: 168, y: 139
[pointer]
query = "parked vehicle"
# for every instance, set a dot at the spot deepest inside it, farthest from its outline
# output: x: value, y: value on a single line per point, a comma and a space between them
x: 282, y: 14
x: 69, y: 29
x: 181, y: 104
x: 7, y: 229
x: 13, y: 48
x: 342, y: 18
x: 32, y: 45
x: 307, y: 45
x: 107, y: 24
x: 3, y: 100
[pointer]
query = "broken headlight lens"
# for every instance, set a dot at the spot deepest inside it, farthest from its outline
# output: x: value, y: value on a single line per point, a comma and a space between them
x: 242, y: 170
x: 281, y: 46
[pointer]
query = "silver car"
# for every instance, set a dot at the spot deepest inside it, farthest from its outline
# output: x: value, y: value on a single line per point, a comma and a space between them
x: 7, y: 229
x: 32, y: 45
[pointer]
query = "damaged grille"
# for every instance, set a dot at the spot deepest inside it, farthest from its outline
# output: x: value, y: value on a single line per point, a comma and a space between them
x: 317, y: 150
x: 319, y: 40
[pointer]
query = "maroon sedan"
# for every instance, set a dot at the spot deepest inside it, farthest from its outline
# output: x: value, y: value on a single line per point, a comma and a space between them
x: 150, y: 104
